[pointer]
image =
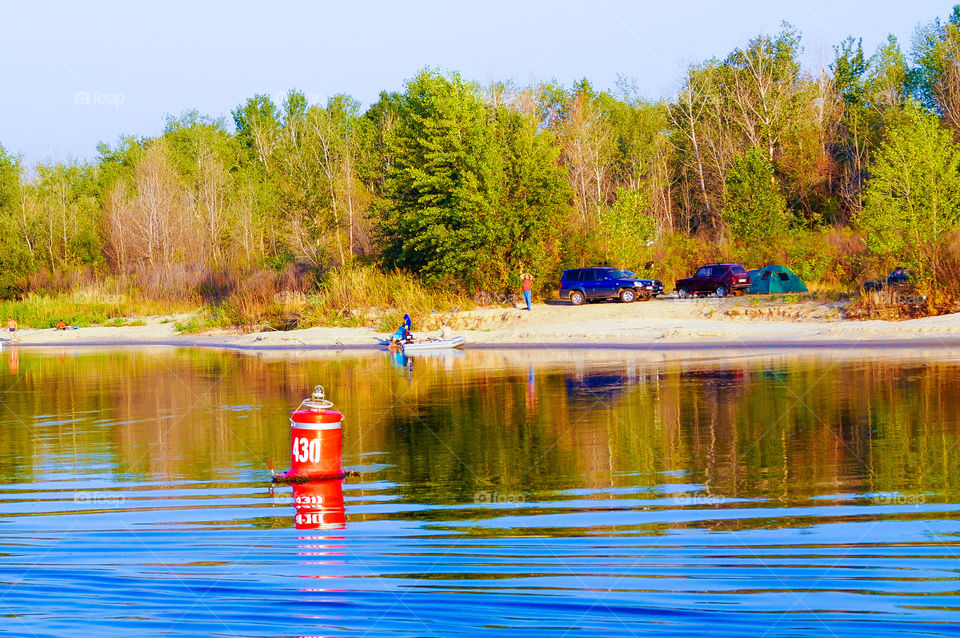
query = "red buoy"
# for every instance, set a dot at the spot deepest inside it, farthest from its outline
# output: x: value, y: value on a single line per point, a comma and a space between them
x: 316, y: 440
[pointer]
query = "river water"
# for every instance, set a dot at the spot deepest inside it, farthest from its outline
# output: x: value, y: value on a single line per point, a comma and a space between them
x: 504, y: 493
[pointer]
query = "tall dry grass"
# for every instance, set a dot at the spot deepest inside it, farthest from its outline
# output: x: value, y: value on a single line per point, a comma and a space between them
x: 347, y: 296
x: 364, y: 295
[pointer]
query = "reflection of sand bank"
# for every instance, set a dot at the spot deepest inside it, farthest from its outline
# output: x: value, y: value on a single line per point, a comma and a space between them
x: 699, y: 358
x: 499, y: 357
x: 503, y: 357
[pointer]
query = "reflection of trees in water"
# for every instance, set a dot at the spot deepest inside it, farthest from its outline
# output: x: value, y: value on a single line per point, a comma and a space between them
x: 827, y: 429
x: 447, y: 430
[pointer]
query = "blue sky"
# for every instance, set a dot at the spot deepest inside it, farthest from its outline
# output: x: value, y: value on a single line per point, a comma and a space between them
x: 74, y: 74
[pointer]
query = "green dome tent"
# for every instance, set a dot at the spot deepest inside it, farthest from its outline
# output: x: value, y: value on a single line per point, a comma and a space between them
x: 771, y: 279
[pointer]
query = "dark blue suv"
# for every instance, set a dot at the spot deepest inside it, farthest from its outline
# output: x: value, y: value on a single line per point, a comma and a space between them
x: 590, y: 284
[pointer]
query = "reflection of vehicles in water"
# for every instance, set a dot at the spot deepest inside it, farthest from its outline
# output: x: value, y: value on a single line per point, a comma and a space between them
x: 718, y: 381
x: 608, y: 382
x: 721, y: 375
x: 595, y: 385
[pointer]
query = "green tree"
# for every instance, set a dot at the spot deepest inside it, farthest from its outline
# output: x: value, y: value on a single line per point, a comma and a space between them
x: 207, y: 157
x: 64, y: 217
x: 761, y: 82
x: 258, y: 127
x: 15, y: 258
x: 588, y: 148
x: 871, y: 92
x: 936, y: 53
x: 913, y: 197
x: 534, y: 203
x: 889, y: 81
x: 376, y: 129
x: 642, y: 156
x: 319, y: 190
x: 472, y: 191
x: 9, y: 180
x: 444, y: 182
x: 755, y: 209
x: 754, y: 98
x: 256, y: 211
x: 702, y: 145
x: 628, y: 228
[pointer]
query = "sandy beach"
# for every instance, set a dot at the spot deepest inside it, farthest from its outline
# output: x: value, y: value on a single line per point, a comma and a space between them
x: 667, y: 323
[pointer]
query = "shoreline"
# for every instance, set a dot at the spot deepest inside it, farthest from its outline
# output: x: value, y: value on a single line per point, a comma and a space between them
x: 881, y: 344
x: 659, y: 325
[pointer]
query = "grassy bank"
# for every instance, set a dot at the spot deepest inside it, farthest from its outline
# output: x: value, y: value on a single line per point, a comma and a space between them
x: 250, y: 301
x: 86, y: 308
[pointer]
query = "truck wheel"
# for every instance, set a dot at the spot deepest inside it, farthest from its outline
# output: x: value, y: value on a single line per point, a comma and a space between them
x: 721, y: 291
x: 628, y: 295
x: 683, y: 292
x: 576, y: 297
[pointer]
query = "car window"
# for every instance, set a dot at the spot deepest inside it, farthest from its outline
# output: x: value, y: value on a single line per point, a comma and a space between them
x: 718, y: 271
x: 587, y: 275
x: 783, y: 276
x: 571, y: 276
x: 703, y: 273
x: 613, y: 273
x: 738, y: 270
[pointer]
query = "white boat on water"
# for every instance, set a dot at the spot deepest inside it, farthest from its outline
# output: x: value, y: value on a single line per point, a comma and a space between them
x: 434, y: 343
x: 430, y: 343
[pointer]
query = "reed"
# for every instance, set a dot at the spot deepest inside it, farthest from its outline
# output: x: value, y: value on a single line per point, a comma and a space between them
x: 84, y: 307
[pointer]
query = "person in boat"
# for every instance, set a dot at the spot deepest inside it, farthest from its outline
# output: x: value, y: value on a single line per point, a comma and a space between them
x: 403, y: 333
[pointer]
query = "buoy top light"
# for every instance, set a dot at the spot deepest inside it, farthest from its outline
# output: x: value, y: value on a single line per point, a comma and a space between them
x: 317, y: 400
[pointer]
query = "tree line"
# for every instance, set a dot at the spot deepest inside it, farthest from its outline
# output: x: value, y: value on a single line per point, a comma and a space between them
x: 836, y: 173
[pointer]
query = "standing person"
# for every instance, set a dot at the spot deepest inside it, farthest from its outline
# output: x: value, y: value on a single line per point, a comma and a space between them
x: 12, y: 329
x: 527, y: 288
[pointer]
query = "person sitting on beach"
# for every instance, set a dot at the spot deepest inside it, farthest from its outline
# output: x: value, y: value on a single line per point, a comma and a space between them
x: 60, y: 325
